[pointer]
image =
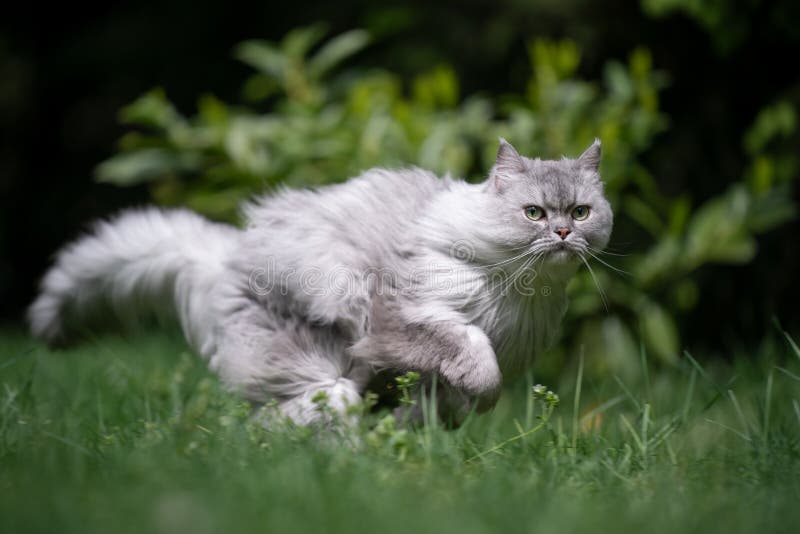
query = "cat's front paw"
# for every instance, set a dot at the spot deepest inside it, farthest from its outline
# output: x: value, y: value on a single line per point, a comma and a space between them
x: 474, y: 370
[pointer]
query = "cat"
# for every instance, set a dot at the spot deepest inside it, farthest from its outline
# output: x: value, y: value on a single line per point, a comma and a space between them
x: 325, y: 288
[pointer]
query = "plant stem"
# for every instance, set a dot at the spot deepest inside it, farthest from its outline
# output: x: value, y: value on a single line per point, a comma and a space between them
x: 545, y: 419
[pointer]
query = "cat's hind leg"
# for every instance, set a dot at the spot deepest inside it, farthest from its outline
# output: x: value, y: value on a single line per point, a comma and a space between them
x: 302, y: 367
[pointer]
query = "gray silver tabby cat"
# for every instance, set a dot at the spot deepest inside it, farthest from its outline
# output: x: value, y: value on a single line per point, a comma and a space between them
x: 394, y: 269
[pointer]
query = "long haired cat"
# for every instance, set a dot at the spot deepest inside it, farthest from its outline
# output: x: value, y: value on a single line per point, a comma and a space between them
x: 325, y: 288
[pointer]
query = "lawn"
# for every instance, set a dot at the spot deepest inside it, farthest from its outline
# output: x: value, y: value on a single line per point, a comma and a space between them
x: 135, y: 435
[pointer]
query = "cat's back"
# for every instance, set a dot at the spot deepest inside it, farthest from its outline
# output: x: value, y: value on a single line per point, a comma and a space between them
x: 379, y: 199
x: 355, y: 220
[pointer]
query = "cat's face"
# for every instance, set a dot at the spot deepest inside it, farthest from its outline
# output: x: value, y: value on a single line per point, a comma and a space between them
x: 553, y: 207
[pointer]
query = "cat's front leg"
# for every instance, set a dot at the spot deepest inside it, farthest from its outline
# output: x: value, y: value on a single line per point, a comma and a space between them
x: 473, y: 369
x: 460, y: 354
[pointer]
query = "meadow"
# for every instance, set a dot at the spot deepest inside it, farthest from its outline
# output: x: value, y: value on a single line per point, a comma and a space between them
x: 679, y: 402
x: 134, y: 434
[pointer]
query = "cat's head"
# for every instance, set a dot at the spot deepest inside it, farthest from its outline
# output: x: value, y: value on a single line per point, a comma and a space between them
x: 556, y: 207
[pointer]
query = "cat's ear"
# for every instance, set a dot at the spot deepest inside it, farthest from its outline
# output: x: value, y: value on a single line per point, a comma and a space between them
x: 590, y: 159
x: 508, y: 164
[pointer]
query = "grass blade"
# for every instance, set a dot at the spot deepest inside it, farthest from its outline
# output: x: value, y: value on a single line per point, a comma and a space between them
x: 788, y: 373
x: 730, y: 429
x: 687, y: 401
x: 576, y: 404
x: 645, y: 371
x: 796, y: 409
x: 792, y: 344
x: 628, y: 393
x: 767, y: 406
x: 633, y: 433
x: 739, y: 413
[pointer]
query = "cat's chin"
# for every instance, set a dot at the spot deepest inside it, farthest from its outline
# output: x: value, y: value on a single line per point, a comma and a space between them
x: 562, y: 256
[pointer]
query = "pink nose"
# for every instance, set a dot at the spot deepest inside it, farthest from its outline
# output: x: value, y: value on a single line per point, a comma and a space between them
x: 563, y: 232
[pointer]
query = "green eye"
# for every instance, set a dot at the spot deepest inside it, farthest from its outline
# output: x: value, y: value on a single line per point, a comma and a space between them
x: 534, y: 213
x: 580, y: 213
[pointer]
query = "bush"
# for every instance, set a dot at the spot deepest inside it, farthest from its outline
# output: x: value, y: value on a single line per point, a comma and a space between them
x: 308, y: 122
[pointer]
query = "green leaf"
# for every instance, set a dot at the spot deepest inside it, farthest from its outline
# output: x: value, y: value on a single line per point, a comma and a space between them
x: 644, y: 214
x: 659, y: 262
x: 337, y: 50
x: 213, y: 111
x: 777, y: 120
x: 771, y: 209
x: 437, y: 88
x: 298, y: 42
x: 259, y: 87
x: 144, y: 165
x: 264, y: 57
x: 152, y: 109
x: 618, y: 80
x: 718, y: 231
x: 679, y: 215
x: 660, y: 332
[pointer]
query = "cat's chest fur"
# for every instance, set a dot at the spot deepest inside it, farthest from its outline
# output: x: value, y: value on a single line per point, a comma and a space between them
x: 523, y: 325
x: 521, y: 321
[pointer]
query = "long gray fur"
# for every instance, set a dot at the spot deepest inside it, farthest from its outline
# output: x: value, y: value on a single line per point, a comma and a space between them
x: 394, y: 269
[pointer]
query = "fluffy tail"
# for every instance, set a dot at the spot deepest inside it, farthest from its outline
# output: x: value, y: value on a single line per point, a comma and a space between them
x: 142, y: 260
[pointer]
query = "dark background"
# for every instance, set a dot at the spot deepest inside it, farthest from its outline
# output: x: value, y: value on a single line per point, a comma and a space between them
x: 66, y: 70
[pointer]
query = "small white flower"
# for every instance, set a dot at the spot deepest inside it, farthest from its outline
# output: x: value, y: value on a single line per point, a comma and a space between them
x: 551, y: 399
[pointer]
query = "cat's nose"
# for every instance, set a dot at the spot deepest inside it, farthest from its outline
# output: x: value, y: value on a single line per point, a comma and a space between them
x: 563, y: 232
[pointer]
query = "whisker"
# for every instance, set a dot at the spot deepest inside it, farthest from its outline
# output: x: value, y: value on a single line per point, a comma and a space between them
x: 607, y: 252
x: 508, y: 260
x: 596, y: 283
x: 620, y: 271
x: 527, y: 259
x: 500, y: 289
x: 503, y: 262
x: 506, y: 283
x: 526, y: 245
x: 530, y: 261
x: 473, y: 266
x: 536, y: 256
x: 623, y: 247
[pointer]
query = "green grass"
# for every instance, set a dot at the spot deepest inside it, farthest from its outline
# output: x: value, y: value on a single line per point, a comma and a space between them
x: 135, y: 435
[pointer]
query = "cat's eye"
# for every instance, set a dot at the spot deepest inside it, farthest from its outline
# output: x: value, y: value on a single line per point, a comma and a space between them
x: 580, y: 213
x: 534, y: 213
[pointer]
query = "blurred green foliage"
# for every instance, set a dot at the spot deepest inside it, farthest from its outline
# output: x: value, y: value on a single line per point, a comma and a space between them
x: 308, y: 122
